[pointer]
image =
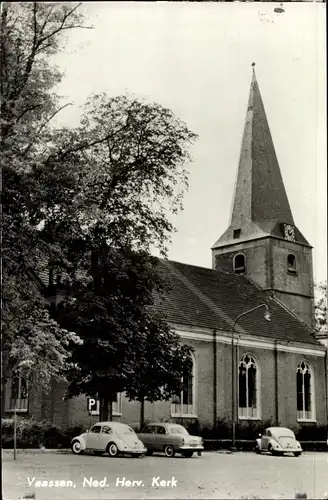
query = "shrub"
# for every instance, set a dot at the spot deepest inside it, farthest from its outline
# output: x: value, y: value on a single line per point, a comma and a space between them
x: 29, y: 432
x: 223, y: 429
x: 32, y: 434
x: 311, y: 432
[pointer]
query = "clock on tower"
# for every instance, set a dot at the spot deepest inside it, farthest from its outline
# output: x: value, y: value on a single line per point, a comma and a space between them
x: 289, y: 232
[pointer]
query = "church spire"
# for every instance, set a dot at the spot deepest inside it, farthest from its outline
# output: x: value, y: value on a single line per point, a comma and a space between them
x: 260, y: 194
x: 262, y: 240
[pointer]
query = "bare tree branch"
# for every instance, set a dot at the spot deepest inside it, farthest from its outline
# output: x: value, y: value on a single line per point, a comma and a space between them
x: 27, y: 149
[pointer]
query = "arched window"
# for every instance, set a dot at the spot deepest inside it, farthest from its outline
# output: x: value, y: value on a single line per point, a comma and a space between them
x: 305, y: 387
x: 185, y: 405
x: 248, y: 389
x: 239, y: 263
x: 291, y: 264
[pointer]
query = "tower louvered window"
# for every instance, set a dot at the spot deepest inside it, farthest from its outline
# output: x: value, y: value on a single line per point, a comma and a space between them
x: 239, y: 263
x: 291, y: 264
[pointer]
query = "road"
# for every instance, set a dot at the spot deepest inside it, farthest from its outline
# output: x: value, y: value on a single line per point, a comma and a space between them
x: 213, y: 475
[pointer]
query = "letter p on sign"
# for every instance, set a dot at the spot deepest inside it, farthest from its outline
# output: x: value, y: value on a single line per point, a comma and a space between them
x: 92, y: 404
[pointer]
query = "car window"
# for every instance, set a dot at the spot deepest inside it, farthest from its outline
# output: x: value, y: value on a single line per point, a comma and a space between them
x: 95, y: 429
x: 149, y: 429
x: 107, y: 430
x: 160, y: 430
x: 269, y: 434
x: 128, y: 431
x: 178, y: 430
x: 286, y: 435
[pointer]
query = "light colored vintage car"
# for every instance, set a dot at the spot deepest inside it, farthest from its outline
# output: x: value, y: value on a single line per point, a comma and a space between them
x: 278, y: 440
x: 113, y: 438
x: 170, y: 438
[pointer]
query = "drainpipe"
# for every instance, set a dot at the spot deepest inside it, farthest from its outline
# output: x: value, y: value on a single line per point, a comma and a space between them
x: 326, y: 372
x: 237, y: 382
x: 276, y: 401
x: 215, y: 383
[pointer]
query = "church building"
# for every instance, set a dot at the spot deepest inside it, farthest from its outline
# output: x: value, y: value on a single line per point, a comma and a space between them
x: 251, y: 315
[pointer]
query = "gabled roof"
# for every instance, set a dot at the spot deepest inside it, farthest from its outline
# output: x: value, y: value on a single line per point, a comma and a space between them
x: 213, y: 298
x: 260, y: 204
x: 209, y: 298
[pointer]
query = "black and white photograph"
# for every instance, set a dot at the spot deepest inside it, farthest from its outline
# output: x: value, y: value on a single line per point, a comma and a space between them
x: 164, y: 250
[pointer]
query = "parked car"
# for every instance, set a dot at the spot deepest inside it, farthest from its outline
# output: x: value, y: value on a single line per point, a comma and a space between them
x: 113, y: 438
x: 170, y: 438
x: 278, y: 440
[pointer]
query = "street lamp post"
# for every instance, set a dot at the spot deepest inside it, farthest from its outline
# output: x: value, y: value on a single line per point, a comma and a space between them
x: 233, y: 375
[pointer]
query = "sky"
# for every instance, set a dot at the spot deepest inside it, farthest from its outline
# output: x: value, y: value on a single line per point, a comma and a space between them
x: 195, y: 58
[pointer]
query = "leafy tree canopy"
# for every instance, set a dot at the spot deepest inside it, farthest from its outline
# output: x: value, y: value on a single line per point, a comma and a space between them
x: 320, y: 308
x: 127, y: 344
x: 111, y: 182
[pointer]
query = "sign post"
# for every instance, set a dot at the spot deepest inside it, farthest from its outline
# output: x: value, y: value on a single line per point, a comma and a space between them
x: 15, y: 428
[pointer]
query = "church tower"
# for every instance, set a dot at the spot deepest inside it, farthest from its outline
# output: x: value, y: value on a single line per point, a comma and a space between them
x: 262, y: 240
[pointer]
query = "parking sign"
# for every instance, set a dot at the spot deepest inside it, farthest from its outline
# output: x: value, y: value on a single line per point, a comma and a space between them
x: 93, y: 405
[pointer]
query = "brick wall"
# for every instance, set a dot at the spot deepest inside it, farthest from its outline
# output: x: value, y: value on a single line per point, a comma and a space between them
x: 294, y: 290
x: 74, y: 412
x: 257, y: 259
x: 266, y: 265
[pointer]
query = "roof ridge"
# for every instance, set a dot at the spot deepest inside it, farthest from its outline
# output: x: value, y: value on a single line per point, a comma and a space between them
x: 284, y: 306
x: 194, y: 265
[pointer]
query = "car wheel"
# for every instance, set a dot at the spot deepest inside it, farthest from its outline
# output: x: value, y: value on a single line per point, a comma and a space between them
x: 297, y: 453
x: 187, y: 454
x: 76, y: 448
x: 169, y: 451
x: 112, y: 450
x: 273, y: 452
x: 257, y: 449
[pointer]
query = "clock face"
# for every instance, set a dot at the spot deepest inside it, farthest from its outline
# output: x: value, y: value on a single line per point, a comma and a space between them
x: 289, y: 232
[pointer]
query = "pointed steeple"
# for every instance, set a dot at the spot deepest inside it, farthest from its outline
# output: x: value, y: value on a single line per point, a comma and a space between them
x: 262, y: 241
x: 260, y: 194
x: 260, y: 204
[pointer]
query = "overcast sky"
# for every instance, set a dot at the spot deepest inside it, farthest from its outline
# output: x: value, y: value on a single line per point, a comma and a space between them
x: 195, y: 58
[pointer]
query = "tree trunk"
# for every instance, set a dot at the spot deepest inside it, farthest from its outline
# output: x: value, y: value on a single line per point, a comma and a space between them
x: 111, y: 410
x: 142, y: 411
x: 103, y: 414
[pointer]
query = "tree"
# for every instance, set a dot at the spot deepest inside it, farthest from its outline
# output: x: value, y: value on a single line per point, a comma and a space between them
x: 127, y: 344
x: 30, y: 33
x: 113, y: 181
x: 320, y: 307
x: 161, y: 362
x: 129, y: 159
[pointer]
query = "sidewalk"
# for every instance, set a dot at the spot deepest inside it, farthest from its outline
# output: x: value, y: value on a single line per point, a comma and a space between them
x: 35, y: 450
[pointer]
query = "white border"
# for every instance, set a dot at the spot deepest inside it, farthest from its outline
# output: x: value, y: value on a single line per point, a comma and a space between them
x: 245, y: 341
